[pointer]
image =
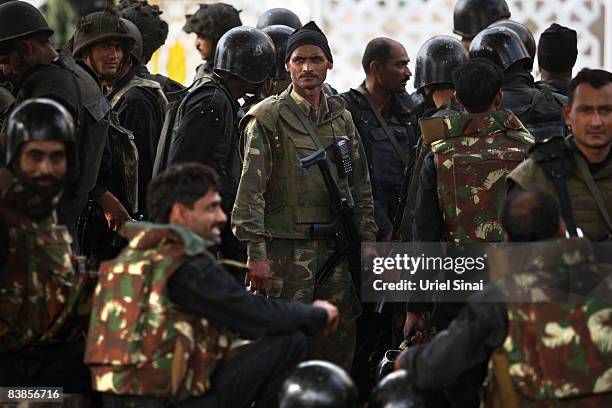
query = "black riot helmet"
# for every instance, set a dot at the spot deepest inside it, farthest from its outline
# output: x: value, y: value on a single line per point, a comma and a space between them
x: 38, y: 119
x: 212, y: 20
x: 500, y: 45
x: 19, y: 19
x: 472, y: 16
x: 99, y: 27
x: 147, y: 18
x: 319, y: 384
x: 135, y: 34
x: 279, y: 35
x: 524, y: 34
x: 247, y: 53
x: 436, y: 60
x: 395, y: 390
x: 279, y: 16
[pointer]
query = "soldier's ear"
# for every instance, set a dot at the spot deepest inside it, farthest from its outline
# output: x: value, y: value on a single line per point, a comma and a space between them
x: 177, y: 214
x: 566, y: 109
x: 498, y: 100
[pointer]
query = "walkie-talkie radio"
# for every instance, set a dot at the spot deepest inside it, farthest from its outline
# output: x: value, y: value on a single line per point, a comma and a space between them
x: 343, y: 157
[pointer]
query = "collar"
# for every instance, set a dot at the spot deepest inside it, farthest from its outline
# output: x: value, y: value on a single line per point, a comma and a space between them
x: 147, y: 234
x: 316, y: 115
x: 121, y: 83
x: 400, y: 104
x: 517, y: 79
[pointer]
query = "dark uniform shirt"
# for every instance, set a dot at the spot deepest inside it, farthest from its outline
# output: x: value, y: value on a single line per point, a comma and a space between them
x: 139, y: 111
x: 169, y: 85
x: 384, y: 163
x: 208, y: 133
x: 540, y: 112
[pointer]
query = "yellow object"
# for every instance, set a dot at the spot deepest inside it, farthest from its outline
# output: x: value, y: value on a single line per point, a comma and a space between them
x: 176, y: 63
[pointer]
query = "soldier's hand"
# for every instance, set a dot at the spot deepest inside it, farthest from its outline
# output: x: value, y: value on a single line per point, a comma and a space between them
x: 258, y: 274
x: 115, y: 213
x: 333, y: 318
x: 414, y: 322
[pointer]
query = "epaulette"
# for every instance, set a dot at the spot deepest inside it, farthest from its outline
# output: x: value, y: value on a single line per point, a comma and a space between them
x: 434, y: 129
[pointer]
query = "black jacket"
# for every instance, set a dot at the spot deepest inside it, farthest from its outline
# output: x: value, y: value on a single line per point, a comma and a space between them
x: 139, y: 111
x: 207, y: 289
x: 540, y: 112
x: 207, y: 133
x: 73, y: 85
x: 384, y: 163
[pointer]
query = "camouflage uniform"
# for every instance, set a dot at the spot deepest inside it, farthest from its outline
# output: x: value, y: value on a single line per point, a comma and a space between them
x: 139, y: 342
x: 39, y: 287
x: 277, y: 203
x: 557, y: 350
x: 471, y: 160
x: 531, y: 174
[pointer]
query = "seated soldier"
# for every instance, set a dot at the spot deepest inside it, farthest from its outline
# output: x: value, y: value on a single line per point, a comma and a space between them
x: 166, y: 313
x: 549, y: 346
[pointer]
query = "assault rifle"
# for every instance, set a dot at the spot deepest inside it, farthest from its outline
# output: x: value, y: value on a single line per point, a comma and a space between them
x: 341, y: 233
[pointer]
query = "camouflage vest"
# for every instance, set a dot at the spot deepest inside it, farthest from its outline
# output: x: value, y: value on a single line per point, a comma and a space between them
x: 39, y: 286
x: 296, y: 197
x: 472, y: 161
x: 560, y: 351
x: 139, y: 342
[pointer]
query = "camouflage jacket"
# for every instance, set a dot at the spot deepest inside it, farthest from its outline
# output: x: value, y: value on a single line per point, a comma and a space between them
x: 472, y: 160
x: 276, y: 198
x: 558, y: 348
x: 139, y: 342
x: 39, y: 287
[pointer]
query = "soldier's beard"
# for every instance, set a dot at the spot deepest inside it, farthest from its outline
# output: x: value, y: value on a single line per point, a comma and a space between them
x: 32, y: 198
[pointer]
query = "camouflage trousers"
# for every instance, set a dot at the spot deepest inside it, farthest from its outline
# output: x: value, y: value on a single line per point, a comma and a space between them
x: 294, y: 264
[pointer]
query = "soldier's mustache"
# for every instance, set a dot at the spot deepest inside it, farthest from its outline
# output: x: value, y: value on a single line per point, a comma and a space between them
x: 309, y: 76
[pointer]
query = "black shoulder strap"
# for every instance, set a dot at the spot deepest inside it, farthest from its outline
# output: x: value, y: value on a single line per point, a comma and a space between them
x: 385, y: 126
x: 554, y: 158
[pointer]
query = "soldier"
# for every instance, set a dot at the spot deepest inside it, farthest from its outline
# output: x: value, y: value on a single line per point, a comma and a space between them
x: 436, y: 60
x: 382, y: 114
x: 493, y: 142
x: 279, y: 78
x: 472, y: 16
x: 209, y: 24
x: 557, y: 53
x: 40, y: 288
x: 319, y: 384
x: 437, y: 221
x: 539, y: 111
x: 278, y: 203
x: 168, y: 334
x: 549, y: 343
x: 578, y: 170
x: 154, y: 33
x: 207, y: 121
x: 279, y: 16
x: 438, y: 57
x: 106, y: 45
x: 24, y: 43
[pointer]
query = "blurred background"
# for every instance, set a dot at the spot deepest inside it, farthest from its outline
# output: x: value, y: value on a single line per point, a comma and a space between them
x: 350, y: 24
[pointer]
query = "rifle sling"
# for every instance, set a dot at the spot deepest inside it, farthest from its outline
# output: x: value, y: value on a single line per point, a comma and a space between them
x: 312, y: 132
x: 585, y: 172
x: 383, y: 123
